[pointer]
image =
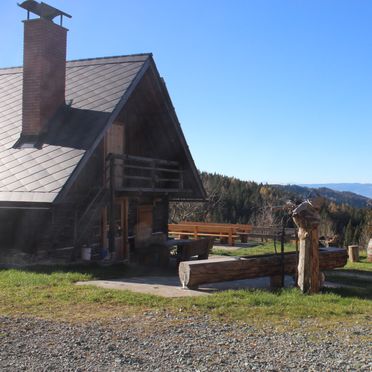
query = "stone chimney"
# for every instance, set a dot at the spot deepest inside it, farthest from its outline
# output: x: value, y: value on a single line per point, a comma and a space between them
x: 44, y: 69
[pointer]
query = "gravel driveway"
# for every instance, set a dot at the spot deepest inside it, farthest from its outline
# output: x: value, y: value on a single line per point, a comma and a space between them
x: 161, y: 342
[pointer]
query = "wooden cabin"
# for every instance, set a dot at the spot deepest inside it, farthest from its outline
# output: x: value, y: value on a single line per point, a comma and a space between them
x: 91, y: 151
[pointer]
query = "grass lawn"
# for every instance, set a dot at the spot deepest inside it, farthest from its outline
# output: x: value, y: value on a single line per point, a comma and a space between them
x: 50, y: 293
x: 253, y: 250
x: 362, y: 265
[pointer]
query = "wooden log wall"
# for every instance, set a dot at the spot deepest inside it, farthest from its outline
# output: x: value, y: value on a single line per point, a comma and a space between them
x: 160, y: 217
x: 22, y: 229
x: 132, y: 216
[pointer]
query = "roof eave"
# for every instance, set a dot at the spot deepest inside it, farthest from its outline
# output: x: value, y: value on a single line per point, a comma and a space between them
x: 174, y: 118
x: 24, y: 205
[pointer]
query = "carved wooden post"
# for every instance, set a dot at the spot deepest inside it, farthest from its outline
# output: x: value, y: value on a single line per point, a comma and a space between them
x: 307, y: 219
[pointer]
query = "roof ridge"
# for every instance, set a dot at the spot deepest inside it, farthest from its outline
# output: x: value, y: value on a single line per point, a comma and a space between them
x: 98, y: 59
x: 111, y: 57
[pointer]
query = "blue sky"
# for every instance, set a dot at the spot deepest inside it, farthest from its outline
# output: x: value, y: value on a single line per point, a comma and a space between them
x: 269, y: 91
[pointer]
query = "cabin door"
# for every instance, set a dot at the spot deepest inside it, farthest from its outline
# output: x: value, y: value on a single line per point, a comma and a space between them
x: 144, y: 222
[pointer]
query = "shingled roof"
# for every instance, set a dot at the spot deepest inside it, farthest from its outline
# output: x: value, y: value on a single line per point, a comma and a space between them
x: 95, y: 91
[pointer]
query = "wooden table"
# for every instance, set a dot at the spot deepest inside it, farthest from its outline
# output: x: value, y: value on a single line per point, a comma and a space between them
x: 186, y: 248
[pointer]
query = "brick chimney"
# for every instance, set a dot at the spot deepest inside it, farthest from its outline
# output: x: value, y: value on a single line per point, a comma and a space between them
x: 44, y: 69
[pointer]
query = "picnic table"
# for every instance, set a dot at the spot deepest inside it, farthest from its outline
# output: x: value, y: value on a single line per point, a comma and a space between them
x: 186, y: 248
x: 156, y: 251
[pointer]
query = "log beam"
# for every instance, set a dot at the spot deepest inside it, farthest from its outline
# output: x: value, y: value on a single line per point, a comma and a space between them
x: 194, y: 273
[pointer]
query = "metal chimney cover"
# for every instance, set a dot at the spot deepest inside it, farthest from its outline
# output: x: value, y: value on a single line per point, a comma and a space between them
x: 43, y: 10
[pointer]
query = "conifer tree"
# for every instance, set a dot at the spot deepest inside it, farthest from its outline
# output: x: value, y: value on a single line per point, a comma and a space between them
x: 348, y: 237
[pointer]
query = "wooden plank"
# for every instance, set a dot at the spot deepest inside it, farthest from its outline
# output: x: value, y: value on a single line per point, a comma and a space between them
x: 167, y: 170
x: 240, y: 227
x: 139, y: 190
x: 267, y: 236
x: 197, y: 234
x: 142, y: 178
x: 203, y: 228
x: 175, y: 180
x: 145, y: 159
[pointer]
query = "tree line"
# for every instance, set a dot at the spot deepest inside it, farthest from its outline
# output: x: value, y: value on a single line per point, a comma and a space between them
x: 231, y: 200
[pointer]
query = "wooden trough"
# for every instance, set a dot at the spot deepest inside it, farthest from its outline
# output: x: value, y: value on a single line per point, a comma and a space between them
x: 194, y: 273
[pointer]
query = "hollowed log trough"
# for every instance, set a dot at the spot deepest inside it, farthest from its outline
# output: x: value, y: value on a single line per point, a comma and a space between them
x: 194, y: 273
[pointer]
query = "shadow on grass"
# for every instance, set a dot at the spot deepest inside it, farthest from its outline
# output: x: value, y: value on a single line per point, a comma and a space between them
x: 355, y: 292
x: 354, y: 271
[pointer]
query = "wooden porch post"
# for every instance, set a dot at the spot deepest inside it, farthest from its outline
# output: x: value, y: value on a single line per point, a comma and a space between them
x: 112, y: 227
x: 307, y: 218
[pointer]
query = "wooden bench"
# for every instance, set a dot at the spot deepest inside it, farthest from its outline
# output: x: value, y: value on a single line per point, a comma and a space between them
x: 155, y: 250
x: 227, y: 232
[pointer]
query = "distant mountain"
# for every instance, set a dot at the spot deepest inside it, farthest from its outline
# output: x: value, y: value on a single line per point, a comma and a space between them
x: 339, y: 197
x: 364, y: 189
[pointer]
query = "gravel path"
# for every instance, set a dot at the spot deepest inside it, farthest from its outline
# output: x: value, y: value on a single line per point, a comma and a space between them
x: 154, y: 342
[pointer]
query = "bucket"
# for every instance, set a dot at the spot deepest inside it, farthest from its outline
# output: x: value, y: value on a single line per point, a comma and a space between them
x: 86, y: 253
x: 369, y: 251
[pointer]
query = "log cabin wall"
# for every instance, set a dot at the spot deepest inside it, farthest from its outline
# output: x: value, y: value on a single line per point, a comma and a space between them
x: 159, y: 218
x: 160, y: 215
x: 132, y: 216
x: 21, y: 231
x: 114, y: 139
x: 145, y: 222
x: 60, y: 229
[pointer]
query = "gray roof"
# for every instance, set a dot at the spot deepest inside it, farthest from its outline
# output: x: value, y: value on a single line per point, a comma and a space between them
x: 95, y: 88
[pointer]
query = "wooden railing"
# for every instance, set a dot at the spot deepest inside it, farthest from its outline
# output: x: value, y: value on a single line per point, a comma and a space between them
x: 272, y: 232
x: 140, y: 174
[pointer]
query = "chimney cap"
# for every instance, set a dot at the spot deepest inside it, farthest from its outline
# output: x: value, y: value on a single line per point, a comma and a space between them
x: 43, y: 10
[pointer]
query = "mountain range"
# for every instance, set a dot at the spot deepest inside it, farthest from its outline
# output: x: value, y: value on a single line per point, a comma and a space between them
x: 364, y: 189
x: 330, y: 192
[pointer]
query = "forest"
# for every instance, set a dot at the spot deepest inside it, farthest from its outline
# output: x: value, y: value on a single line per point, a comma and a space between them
x: 231, y: 200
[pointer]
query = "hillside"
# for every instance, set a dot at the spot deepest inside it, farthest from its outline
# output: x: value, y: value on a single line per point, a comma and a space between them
x: 338, y: 197
x: 230, y: 200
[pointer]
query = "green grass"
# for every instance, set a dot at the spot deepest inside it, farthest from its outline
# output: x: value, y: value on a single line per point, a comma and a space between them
x: 253, y: 250
x: 362, y: 265
x: 51, y: 293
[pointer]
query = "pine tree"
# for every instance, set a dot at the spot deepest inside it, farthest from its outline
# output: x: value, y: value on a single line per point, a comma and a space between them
x: 348, y: 237
x: 357, y: 234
